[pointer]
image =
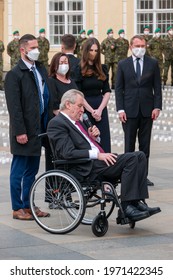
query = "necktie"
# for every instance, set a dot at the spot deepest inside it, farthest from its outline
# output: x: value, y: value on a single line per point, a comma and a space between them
x: 39, y: 90
x: 86, y: 133
x: 138, y: 69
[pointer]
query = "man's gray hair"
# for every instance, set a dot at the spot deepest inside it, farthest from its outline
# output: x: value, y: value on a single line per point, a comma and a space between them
x: 70, y: 96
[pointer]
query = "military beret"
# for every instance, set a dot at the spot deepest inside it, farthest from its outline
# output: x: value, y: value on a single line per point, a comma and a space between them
x: 157, y: 30
x: 89, y: 31
x: 121, y: 31
x: 109, y: 30
x: 146, y: 27
x: 42, y: 30
x: 170, y: 27
x: 82, y: 31
x: 15, y: 32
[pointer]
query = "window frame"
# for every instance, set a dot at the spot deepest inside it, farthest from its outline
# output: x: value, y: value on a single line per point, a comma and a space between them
x: 66, y: 13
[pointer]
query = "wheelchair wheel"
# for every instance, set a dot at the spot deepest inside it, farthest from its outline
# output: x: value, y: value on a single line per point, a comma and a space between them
x: 100, y: 225
x: 93, y: 206
x: 60, y: 194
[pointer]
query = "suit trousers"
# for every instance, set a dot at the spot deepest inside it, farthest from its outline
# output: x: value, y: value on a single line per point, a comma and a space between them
x: 22, y: 176
x: 131, y: 169
x: 140, y: 127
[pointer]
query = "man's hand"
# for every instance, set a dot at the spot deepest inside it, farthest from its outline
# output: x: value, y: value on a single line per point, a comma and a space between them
x: 155, y: 114
x: 93, y: 132
x: 109, y: 158
x: 22, y: 139
x: 122, y: 117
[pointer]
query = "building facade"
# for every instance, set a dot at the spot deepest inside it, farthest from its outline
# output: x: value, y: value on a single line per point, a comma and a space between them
x: 66, y: 16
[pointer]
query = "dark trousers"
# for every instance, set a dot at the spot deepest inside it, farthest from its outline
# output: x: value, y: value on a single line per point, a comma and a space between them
x: 131, y: 168
x: 22, y: 176
x: 138, y: 127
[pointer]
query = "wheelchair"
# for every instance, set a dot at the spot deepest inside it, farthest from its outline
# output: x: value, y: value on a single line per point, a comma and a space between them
x: 72, y: 200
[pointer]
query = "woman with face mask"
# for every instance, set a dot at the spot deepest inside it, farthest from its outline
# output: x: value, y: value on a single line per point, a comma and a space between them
x: 92, y: 80
x: 59, y: 77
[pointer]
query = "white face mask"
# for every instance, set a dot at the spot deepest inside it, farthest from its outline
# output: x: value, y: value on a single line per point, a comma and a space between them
x: 157, y: 35
x: 91, y: 35
x: 146, y: 32
x: 16, y: 37
x: 111, y: 35
x: 83, y: 36
x: 33, y: 54
x: 122, y: 35
x: 139, y: 52
x: 63, y: 69
x: 171, y: 32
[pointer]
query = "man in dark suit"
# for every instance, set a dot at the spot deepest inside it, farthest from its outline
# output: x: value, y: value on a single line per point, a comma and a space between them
x: 68, y: 45
x: 71, y: 140
x: 29, y: 106
x: 138, y: 96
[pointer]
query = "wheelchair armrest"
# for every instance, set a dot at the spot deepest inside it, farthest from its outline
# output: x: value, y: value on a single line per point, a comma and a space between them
x: 71, y: 161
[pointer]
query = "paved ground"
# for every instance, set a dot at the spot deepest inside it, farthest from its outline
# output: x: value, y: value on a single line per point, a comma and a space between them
x: 152, y: 238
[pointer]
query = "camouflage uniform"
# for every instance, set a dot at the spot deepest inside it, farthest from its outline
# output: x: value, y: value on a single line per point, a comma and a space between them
x: 107, y: 47
x: 1, y: 63
x: 147, y: 39
x: 155, y: 48
x: 14, y: 52
x: 43, y: 46
x: 168, y: 54
x: 79, y: 42
x: 121, y: 51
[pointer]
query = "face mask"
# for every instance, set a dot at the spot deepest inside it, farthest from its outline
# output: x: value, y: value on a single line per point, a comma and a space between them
x: 63, y: 69
x: 171, y: 32
x: 146, y: 32
x: 83, y: 36
x: 157, y: 35
x: 138, y: 52
x: 16, y: 37
x: 33, y: 54
x: 91, y: 35
x: 122, y: 35
x: 111, y: 35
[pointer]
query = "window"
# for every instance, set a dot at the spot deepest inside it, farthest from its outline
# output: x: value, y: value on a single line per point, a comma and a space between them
x: 65, y: 17
x: 155, y: 13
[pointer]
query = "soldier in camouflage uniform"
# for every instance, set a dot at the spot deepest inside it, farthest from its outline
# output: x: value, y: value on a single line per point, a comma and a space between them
x: 79, y: 42
x: 43, y: 46
x: 168, y: 54
x: 108, y: 50
x: 1, y: 64
x: 121, y: 49
x: 156, y: 47
x: 13, y: 49
x: 147, y: 37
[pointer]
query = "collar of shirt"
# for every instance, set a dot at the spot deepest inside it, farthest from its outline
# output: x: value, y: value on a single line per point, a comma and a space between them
x: 134, y: 58
x: 29, y: 65
x: 64, y: 114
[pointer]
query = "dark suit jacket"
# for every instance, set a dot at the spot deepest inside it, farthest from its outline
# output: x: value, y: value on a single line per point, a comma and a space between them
x: 131, y: 94
x: 69, y: 143
x: 24, y: 108
x: 74, y: 62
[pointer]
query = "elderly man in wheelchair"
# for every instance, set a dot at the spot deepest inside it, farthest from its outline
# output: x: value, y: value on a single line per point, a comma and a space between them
x: 90, y: 177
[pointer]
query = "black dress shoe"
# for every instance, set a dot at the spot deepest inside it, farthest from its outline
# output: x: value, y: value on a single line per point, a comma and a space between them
x: 134, y: 214
x: 144, y: 207
x: 149, y: 183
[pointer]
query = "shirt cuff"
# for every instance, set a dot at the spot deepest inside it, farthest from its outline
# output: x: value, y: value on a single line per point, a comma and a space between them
x: 93, y: 154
